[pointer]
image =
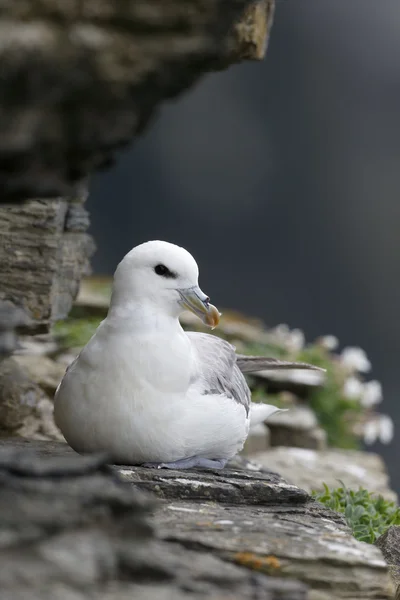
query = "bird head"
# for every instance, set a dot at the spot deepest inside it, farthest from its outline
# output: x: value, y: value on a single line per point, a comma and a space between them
x: 165, y: 276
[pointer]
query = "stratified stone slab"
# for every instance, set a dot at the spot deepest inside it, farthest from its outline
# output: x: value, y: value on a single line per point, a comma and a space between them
x: 227, y: 486
x: 389, y: 544
x: 305, y: 542
x: 236, y: 534
x: 255, y: 519
x: 70, y: 529
x: 81, y: 79
x: 310, y: 469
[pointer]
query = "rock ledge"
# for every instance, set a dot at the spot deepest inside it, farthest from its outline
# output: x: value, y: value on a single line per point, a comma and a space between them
x: 95, y: 531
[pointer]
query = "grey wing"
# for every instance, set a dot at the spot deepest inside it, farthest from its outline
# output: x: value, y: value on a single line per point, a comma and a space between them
x: 66, y: 371
x: 250, y: 364
x: 218, y: 371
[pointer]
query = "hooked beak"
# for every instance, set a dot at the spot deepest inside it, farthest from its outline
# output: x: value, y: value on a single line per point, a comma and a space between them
x: 197, y: 302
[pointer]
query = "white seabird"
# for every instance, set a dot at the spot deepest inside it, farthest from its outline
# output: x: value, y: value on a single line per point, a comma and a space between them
x: 147, y: 392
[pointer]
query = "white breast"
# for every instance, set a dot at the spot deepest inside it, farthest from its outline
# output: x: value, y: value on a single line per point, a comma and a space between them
x: 132, y: 397
x: 122, y: 392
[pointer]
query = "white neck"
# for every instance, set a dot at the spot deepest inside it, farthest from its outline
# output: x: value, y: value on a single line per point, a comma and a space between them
x: 140, y: 315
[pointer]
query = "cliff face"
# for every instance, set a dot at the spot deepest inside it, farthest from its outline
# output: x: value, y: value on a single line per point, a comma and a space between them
x: 81, y: 79
x: 44, y: 252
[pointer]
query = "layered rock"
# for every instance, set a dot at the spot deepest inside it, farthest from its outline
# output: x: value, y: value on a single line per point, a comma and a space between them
x: 89, y: 531
x: 309, y: 469
x: 389, y: 544
x: 81, y: 79
x: 44, y: 252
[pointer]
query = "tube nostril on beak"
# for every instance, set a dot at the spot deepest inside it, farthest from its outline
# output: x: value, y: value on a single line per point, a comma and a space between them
x: 195, y: 300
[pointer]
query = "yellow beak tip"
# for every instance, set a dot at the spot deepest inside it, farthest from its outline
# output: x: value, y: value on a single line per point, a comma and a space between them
x: 212, y: 317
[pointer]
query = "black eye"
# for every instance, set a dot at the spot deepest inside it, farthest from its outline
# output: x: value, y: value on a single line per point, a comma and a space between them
x: 161, y: 270
x: 164, y: 271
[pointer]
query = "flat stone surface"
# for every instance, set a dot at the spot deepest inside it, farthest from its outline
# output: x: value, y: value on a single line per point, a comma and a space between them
x: 299, y: 417
x: 71, y: 529
x: 227, y: 485
x: 25, y: 410
x: 314, y: 439
x: 297, y: 427
x: 42, y: 370
x: 258, y: 440
x: 42, y: 449
x: 389, y: 544
x: 255, y: 519
x: 304, y: 542
x: 309, y: 469
x: 239, y: 533
x: 12, y: 319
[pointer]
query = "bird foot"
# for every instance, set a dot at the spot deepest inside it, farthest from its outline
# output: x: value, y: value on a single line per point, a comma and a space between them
x: 189, y: 463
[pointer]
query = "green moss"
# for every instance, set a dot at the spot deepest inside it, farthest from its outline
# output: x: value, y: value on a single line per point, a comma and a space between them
x: 368, y: 515
x: 75, y: 332
x: 335, y: 412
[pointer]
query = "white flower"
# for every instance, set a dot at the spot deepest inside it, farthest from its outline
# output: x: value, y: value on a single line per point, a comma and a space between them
x: 282, y: 330
x: 353, y: 388
x: 356, y: 359
x: 371, y: 394
x: 296, y: 340
x: 330, y: 342
x: 371, y: 432
x: 386, y: 429
x: 380, y: 428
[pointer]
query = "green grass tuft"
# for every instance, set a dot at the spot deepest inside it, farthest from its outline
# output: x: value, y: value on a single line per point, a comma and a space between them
x: 367, y: 514
x: 335, y: 412
x: 73, y: 333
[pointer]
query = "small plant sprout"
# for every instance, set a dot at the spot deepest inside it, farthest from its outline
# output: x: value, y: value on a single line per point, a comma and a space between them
x: 367, y: 515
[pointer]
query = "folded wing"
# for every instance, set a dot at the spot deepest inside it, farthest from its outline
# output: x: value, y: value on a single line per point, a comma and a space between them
x: 220, y: 369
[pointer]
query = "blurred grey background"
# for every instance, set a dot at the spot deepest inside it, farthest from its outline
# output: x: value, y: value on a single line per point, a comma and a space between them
x: 283, y: 179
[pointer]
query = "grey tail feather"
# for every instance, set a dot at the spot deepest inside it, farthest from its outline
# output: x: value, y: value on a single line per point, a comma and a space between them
x: 251, y: 364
